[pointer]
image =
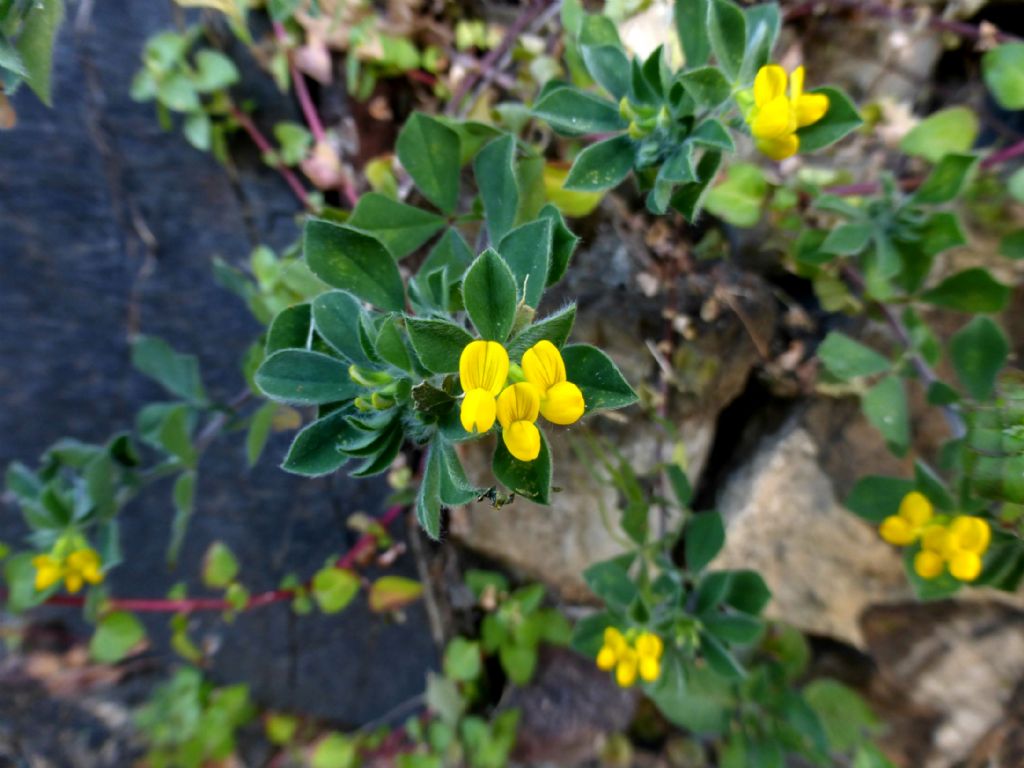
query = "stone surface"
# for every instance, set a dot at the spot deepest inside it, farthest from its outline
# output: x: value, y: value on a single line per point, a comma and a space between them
x: 109, y: 227
x: 823, y: 565
x: 964, y: 661
x: 555, y: 544
x: 568, y: 710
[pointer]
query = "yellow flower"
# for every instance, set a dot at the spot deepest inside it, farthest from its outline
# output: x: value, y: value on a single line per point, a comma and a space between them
x: 776, y: 117
x: 907, y: 525
x: 561, y: 401
x: 483, y: 368
x: 518, y: 408
x: 80, y: 567
x: 48, y: 571
x: 642, y: 658
x: 958, y: 546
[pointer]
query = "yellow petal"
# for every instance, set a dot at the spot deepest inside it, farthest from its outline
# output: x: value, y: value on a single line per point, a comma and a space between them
x: 614, y: 640
x: 625, y: 672
x: 796, y: 83
x: 543, y: 366
x: 774, y: 120
x: 965, y: 565
x: 935, y: 538
x: 649, y: 645
x: 779, y: 149
x: 73, y: 581
x: 650, y: 669
x: 522, y: 438
x: 519, y: 402
x: 897, y: 531
x: 48, y: 572
x: 916, y: 509
x: 563, y: 404
x: 972, y: 534
x: 810, y: 108
x: 770, y: 84
x: 606, y: 658
x: 478, y: 411
x: 927, y: 565
x: 483, y: 365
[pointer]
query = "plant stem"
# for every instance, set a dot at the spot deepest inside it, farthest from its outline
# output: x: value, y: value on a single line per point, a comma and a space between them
x: 487, y: 64
x: 264, y: 146
x: 364, y: 544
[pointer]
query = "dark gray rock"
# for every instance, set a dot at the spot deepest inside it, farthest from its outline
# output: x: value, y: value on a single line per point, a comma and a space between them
x: 109, y: 227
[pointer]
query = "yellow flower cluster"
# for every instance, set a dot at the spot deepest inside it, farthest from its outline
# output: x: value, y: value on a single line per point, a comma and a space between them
x: 81, y: 566
x: 630, y: 655
x: 957, y: 544
x: 484, y: 372
x: 776, y: 117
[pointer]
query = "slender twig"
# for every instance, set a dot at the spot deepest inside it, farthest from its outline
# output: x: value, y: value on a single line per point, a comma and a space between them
x: 488, y: 62
x: 264, y: 146
x: 364, y: 544
x: 908, y: 15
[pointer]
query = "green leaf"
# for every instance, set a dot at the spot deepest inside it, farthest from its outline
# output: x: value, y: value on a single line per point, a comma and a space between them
x: 175, y: 435
x: 885, y: 406
x: 841, y: 119
x: 978, y: 352
x: 703, y: 538
x: 518, y: 661
x: 575, y: 113
x: 401, y: 228
x: 747, y: 592
x: 973, y: 290
x: 847, y: 359
x: 527, y: 251
x: 1003, y: 70
x: 494, y: 169
x: 727, y: 33
x: 763, y: 23
x: 429, y: 151
x: 610, y: 581
x: 116, y: 634
x: 282, y: 10
x: 289, y: 329
x: 259, y: 430
x: 438, y: 343
x: 19, y: 575
x: 390, y: 344
x: 455, y: 486
x: 335, y: 750
x: 334, y: 588
x: 711, y: 133
x: 563, y: 243
x: 197, y: 130
x: 336, y: 317
x: 691, y: 17
x: 214, y: 71
x: 946, y: 180
x: 609, y: 66
x: 489, y: 293
x: 738, y: 629
x: 718, y: 657
x: 392, y: 593
x: 680, y: 485
x: 689, y: 198
x: 942, y: 232
x: 846, y: 718
x: 184, y: 496
x: 462, y: 660
x: 428, y: 498
x: 555, y: 328
x: 316, y: 450
x: 10, y: 60
x: 738, y: 199
x: 1015, y: 185
x: 35, y: 46
x: 1012, y: 246
x: 530, y: 479
x: 345, y: 258
x: 599, y: 379
x: 847, y: 239
x: 220, y: 566
x: 876, y: 497
x: 602, y: 165
x: 948, y: 131
x: 707, y: 86
x: 177, y: 373
x: 177, y: 93
x: 305, y: 378
x: 294, y: 141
